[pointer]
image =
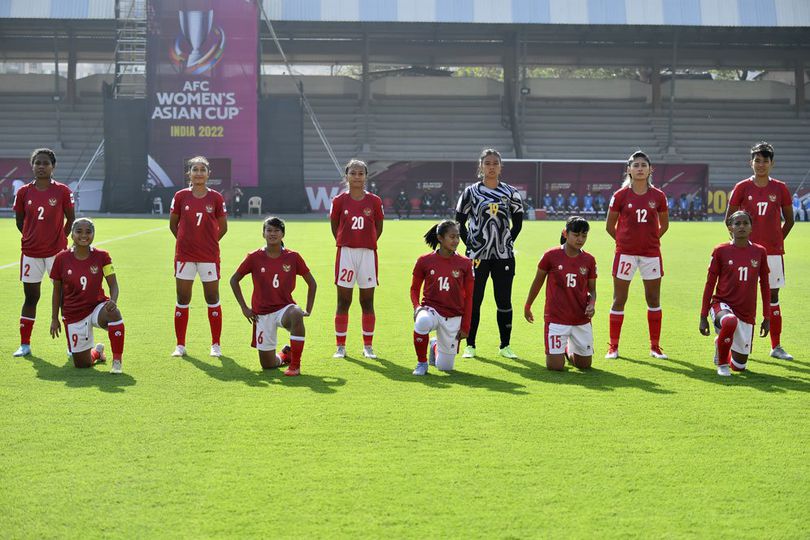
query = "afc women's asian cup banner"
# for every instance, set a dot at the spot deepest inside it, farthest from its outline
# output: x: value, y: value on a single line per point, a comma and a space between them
x: 202, y: 75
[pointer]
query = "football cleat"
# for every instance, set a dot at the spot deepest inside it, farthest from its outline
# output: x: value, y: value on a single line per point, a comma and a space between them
x: 723, y: 370
x: 24, y: 350
x: 716, y: 353
x: 469, y: 352
x: 116, y: 367
x: 368, y: 351
x: 97, y: 354
x: 180, y: 350
x: 777, y: 352
x: 284, y: 356
x: 432, y: 352
x: 290, y: 372
x: 340, y: 352
x: 421, y: 368
x: 507, y: 352
x: 613, y: 352
x: 216, y: 350
x: 656, y: 352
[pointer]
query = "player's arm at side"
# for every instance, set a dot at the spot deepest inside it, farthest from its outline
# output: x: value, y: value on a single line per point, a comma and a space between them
x: 56, y: 303
x: 312, y: 287
x: 466, y: 318
x: 222, y: 221
x: 174, y: 221
x: 462, y: 208
x: 237, y: 292
x: 663, y: 217
x: 787, y: 212
x: 610, y: 223
x: 534, y: 290
x: 70, y: 216
x: 112, y: 285
x: 590, y: 309
x: 765, y: 291
x: 20, y: 217
x: 516, y: 209
x: 708, y: 290
x: 378, y: 219
x: 416, y: 285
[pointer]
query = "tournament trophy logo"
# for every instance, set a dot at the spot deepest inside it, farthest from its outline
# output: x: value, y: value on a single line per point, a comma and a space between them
x: 195, y: 30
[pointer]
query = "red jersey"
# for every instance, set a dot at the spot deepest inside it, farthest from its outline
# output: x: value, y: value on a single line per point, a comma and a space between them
x: 448, y: 285
x: 567, y: 293
x: 357, y: 220
x: 81, y: 282
x: 638, y: 225
x: 736, y: 271
x: 198, y: 228
x: 43, y: 233
x: 273, y: 279
x: 765, y: 204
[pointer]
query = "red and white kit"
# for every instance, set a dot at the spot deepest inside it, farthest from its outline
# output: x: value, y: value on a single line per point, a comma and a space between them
x: 567, y: 296
x: 638, y: 245
x: 43, y: 234
x: 197, y: 247
x: 446, y: 306
x: 273, y: 284
x: 356, y: 260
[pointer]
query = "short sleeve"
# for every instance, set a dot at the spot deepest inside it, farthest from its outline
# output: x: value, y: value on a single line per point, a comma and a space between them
x: 615, y: 202
x: 245, y: 267
x: 379, y: 213
x: 19, y: 206
x: 714, y: 263
x: 736, y: 196
x: 56, y: 269
x: 67, y: 198
x: 463, y: 205
x: 301, y: 267
x: 662, y: 203
x: 334, y: 211
x: 545, y: 262
x: 175, y: 207
x: 221, y: 210
x: 787, y: 200
x: 515, y: 202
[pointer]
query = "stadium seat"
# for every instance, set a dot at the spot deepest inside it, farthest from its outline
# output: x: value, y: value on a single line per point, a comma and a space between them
x: 255, y: 203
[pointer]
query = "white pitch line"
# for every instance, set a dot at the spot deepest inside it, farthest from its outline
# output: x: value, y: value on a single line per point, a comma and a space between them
x: 17, y: 263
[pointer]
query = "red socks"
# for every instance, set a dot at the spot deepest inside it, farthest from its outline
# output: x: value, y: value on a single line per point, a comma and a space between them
x: 420, y: 345
x: 116, y: 332
x: 616, y: 320
x: 26, y: 327
x: 724, y: 339
x: 215, y: 321
x: 341, y: 325
x: 368, y: 321
x: 180, y: 323
x: 296, y: 348
x: 654, y: 322
x: 776, y: 325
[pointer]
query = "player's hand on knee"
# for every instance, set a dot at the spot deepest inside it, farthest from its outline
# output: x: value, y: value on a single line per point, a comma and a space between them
x: 110, y: 306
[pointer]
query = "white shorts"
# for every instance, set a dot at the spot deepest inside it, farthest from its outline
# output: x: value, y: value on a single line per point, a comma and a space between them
x: 578, y: 339
x: 356, y: 265
x: 34, y: 270
x: 743, y: 335
x: 624, y: 267
x: 446, y: 328
x: 80, y: 333
x: 187, y: 270
x: 776, y: 269
x: 265, y: 331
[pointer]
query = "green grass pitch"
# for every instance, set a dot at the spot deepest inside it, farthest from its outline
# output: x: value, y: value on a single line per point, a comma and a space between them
x: 202, y: 447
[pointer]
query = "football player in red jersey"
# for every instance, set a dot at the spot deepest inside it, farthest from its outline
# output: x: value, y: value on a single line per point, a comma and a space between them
x: 570, y: 298
x: 637, y: 218
x: 768, y: 201
x: 357, y: 222
x: 446, y: 305
x: 44, y: 212
x: 273, y: 269
x: 736, y: 267
x: 198, y: 220
x: 77, y: 276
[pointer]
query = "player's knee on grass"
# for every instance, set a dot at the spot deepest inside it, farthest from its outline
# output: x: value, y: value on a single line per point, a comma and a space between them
x: 445, y: 362
x: 555, y: 362
x: 582, y: 362
x: 269, y: 360
x: 82, y: 359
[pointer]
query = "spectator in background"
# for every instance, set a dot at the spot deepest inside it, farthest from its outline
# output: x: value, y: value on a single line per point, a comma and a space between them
x: 528, y: 208
x: 587, y: 203
x: 807, y: 208
x: 237, y: 195
x: 372, y: 188
x: 697, y: 207
x: 671, y: 205
x: 573, y: 203
x: 548, y: 205
x: 559, y: 203
x: 798, y: 211
x: 402, y: 204
x: 427, y: 203
x: 444, y: 203
x: 601, y: 204
x: 683, y: 207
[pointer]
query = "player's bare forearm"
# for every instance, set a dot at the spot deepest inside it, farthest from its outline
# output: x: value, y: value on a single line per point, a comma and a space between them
x: 223, y: 227
x: 590, y: 309
x: 174, y: 220
x: 379, y: 225
x: 70, y: 217
x: 534, y: 290
x: 335, y: 224
x: 312, y: 288
x: 20, y: 218
x: 237, y: 290
x: 663, y: 224
x: 112, y: 284
x: 610, y: 223
x: 787, y: 211
x: 56, y: 300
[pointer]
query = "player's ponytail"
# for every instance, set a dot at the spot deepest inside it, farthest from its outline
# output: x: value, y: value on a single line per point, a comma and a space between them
x: 576, y: 224
x: 432, y: 235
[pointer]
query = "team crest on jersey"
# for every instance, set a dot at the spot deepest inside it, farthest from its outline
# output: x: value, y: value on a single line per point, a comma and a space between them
x: 651, y: 204
x: 94, y: 270
x: 286, y: 267
x: 583, y: 270
x: 209, y: 208
x: 754, y: 263
x: 52, y: 202
x: 772, y: 197
x: 367, y: 212
x: 456, y: 273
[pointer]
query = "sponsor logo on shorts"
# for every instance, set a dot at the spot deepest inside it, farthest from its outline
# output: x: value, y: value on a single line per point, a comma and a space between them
x: 94, y: 269
x: 286, y: 267
x: 52, y: 202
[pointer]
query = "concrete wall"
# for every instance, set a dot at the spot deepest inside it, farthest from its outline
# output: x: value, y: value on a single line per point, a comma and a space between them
x: 436, y: 86
x: 589, y: 88
x: 313, y: 85
x: 731, y: 90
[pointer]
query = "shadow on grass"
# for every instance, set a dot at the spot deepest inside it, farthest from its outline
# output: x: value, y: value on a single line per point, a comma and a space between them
x: 790, y: 365
x: 593, y: 378
x: 759, y: 381
x: 81, y: 378
x: 397, y: 373
x: 229, y: 371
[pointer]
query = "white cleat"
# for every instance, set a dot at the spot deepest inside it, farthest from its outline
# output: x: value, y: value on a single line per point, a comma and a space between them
x: 658, y: 353
x: 216, y: 351
x: 180, y: 350
x: 421, y: 369
x: 340, y: 352
x: 724, y: 370
x: 99, y: 349
x: 612, y: 354
x: 116, y: 367
x: 777, y: 352
x: 368, y: 351
x: 24, y: 350
x: 432, y: 352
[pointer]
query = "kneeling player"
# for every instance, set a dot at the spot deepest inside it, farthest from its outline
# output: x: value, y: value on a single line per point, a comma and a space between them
x: 570, y: 298
x: 735, y: 268
x: 77, y: 274
x: 273, y: 269
x: 446, y: 306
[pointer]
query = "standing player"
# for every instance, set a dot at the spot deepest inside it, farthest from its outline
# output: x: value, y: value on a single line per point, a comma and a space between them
x: 199, y: 221
x: 44, y: 212
x: 446, y: 306
x: 637, y: 219
x: 357, y: 223
x: 768, y: 201
x: 273, y: 269
x: 77, y: 275
x: 735, y: 268
x: 570, y: 298
x: 485, y: 211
